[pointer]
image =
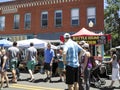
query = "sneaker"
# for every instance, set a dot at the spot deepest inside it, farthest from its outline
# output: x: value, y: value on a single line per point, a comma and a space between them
x: 46, y: 79
x: 60, y: 80
x: 50, y: 81
x: 7, y: 86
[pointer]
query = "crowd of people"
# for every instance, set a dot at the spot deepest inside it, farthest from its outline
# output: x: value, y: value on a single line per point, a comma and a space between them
x: 74, y: 60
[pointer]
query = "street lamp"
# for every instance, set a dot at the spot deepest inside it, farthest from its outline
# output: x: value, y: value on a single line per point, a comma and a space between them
x: 91, y: 24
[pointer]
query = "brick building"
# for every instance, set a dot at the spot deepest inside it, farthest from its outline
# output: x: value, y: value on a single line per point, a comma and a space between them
x: 48, y: 19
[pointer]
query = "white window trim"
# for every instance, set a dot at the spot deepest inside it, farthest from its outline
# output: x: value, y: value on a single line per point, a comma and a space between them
x: 91, y: 13
x: 18, y: 20
x: 3, y: 22
x: 25, y: 21
x: 75, y: 15
x: 58, y: 11
x: 44, y: 12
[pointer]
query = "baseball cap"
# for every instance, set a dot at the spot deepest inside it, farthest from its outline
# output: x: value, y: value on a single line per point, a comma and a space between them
x: 85, y: 45
x: 66, y: 35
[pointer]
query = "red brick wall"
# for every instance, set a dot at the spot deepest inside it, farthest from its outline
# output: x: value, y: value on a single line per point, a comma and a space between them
x: 66, y: 10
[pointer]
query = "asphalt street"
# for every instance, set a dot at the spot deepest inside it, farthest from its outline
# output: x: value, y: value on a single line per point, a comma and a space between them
x: 39, y: 84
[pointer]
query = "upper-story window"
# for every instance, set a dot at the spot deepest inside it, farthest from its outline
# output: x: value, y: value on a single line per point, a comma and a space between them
x: 58, y: 18
x: 2, y: 22
x: 16, y: 21
x: 44, y: 19
x: 27, y: 20
x: 91, y: 15
x: 75, y: 17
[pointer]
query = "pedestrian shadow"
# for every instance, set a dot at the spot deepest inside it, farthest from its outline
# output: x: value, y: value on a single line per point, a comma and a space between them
x: 39, y: 80
x: 55, y: 81
x: 109, y: 88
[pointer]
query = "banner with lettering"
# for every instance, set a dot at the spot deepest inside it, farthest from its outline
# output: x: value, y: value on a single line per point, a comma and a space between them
x: 92, y: 39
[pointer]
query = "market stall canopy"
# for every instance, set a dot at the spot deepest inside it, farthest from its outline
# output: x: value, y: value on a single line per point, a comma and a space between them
x: 5, y: 43
x: 118, y: 47
x: 84, y: 32
x: 91, y: 37
x: 37, y: 43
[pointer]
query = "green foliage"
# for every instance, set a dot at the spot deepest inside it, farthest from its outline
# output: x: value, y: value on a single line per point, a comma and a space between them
x: 112, y: 20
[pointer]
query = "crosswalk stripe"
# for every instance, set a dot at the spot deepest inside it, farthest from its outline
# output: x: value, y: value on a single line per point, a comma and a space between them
x: 29, y: 87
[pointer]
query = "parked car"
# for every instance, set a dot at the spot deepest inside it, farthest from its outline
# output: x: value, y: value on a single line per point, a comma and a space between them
x: 106, y: 68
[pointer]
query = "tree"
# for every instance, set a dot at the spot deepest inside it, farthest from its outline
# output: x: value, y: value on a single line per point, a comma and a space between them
x: 112, y: 20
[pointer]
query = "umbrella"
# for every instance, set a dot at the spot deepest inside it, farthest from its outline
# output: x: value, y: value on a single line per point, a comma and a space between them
x: 5, y: 43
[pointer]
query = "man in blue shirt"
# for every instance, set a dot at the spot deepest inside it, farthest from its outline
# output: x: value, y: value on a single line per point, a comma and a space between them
x: 70, y: 57
x: 49, y: 57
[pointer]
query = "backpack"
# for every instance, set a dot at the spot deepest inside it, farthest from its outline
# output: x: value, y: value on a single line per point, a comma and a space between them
x: 90, y: 62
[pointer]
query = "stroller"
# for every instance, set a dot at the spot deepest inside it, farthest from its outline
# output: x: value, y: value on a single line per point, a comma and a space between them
x: 96, y: 80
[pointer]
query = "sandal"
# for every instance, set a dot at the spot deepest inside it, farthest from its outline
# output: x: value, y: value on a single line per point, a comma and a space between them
x: 14, y: 81
x: 31, y: 80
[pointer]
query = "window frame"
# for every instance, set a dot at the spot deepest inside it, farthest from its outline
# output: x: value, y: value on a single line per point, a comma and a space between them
x: 92, y: 15
x: 44, y: 19
x: 58, y: 18
x: 16, y: 21
x: 75, y: 17
x: 2, y: 22
x: 27, y: 21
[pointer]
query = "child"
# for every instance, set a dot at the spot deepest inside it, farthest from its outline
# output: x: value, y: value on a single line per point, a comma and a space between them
x: 61, y: 66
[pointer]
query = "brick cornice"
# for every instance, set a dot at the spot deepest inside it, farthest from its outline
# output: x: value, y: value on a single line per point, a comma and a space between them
x: 30, y: 3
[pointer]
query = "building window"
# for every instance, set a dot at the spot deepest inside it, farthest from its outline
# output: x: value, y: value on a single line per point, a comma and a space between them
x: 91, y: 15
x: 58, y: 18
x: 27, y: 20
x: 44, y: 19
x: 2, y: 22
x: 75, y: 17
x: 16, y: 21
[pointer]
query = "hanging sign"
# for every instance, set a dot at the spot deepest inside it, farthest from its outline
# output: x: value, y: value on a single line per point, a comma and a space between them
x: 92, y: 39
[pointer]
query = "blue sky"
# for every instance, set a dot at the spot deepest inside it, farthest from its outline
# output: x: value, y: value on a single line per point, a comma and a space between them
x: 4, y: 0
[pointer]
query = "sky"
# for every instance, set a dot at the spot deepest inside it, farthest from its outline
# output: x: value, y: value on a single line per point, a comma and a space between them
x: 4, y: 0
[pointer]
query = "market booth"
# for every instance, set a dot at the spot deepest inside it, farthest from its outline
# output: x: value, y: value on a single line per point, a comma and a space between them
x: 96, y: 41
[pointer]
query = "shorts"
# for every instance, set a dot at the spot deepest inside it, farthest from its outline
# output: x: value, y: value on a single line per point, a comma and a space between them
x: 72, y: 75
x: 31, y: 65
x: 60, y: 70
x: 13, y: 64
x: 47, y: 67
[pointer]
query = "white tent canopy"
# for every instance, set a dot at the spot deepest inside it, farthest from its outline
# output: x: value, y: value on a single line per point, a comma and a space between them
x: 5, y: 43
x: 37, y: 43
x: 118, y: 47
